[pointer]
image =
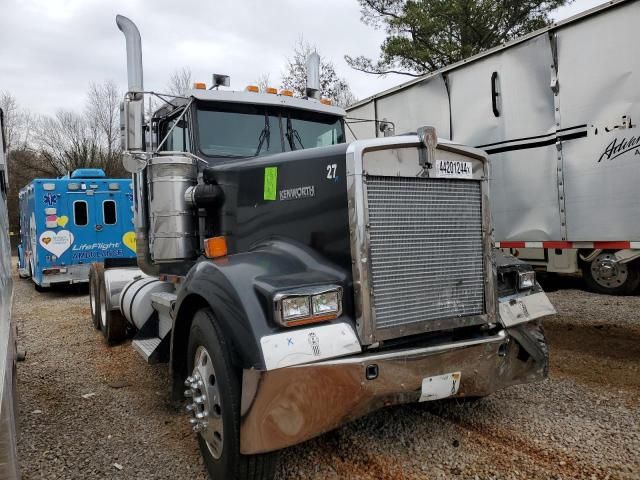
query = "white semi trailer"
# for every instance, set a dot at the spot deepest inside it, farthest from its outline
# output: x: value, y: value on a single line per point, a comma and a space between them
x: 558, y: 112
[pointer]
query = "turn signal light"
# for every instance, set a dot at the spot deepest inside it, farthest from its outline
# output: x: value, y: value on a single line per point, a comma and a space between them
x: 286, y: 93
x: 215, y: 247
x: 326, y: 101
x: 252, y: 88
x: 200, y: 86
x: 271, y: 90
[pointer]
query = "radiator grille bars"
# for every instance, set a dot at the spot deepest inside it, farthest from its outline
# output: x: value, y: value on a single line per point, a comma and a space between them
x: 426, y: 254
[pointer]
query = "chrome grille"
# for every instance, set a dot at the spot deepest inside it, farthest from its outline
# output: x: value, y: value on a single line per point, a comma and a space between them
x: 426, y: 256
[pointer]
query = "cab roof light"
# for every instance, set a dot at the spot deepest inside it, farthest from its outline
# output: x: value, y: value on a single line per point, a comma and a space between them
x: 271, y: 90
x: 114, y: 186
x: 252, y: 88
x: 200, y: 86
x: 326, y: 101
x: 286, y: 93
x: 215, y: 247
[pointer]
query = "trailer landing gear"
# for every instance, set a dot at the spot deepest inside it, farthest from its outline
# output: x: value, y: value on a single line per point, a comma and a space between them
x: 214, y: 395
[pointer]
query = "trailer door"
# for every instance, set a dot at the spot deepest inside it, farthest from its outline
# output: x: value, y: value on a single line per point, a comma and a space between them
x: 109, y: 224
x: 503, y: 103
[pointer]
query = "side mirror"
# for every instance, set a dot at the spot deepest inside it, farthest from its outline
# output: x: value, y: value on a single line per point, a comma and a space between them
x: 131, y: 131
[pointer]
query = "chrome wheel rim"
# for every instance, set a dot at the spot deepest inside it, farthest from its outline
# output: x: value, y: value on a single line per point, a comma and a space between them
x: 205, y: 406
x: 607, y: 272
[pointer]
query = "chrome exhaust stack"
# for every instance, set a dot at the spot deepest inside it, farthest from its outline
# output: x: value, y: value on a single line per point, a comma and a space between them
x: 132, y: 128
x: 313, y: 76
x: 134, y: 52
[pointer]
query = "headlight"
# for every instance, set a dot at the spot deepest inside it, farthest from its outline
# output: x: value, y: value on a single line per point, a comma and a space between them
x: 308, y: 305
x: 295, y: 307
x: 526, y: 279
x: 324, y: 303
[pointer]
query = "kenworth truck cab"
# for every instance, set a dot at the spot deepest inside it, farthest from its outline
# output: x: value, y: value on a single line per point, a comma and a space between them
x: 294, y: 282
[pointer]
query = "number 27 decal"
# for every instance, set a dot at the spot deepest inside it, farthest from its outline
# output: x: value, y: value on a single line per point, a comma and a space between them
x: 331, y: 171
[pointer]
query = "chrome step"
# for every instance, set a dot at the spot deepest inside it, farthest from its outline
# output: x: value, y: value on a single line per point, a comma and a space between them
x: 148, y: 347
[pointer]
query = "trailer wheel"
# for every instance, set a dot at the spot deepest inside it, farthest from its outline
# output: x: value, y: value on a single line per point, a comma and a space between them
x: 214, y: 390
x: 95, y: 274
x: 112, y: 323
x: 605, y: 275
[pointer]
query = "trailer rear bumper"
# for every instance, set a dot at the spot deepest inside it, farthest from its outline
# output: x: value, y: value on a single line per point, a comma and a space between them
x: 287, y: 406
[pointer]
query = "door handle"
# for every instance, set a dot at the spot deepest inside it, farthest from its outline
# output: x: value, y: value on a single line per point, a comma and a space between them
x: 98, y: 228
x: 494, y: 93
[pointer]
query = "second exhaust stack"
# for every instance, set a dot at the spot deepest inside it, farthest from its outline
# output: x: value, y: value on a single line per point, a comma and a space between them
x: 313, y: 76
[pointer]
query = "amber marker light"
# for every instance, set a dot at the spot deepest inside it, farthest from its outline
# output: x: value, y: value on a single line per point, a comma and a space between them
x: 271, y: 90
x: 326, y: 101
x: 252, y: 88
x: 200, y: 86
x: 215, y: 247
x: 286, y: 93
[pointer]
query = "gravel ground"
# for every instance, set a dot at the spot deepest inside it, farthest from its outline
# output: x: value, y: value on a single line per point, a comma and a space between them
x: 582, y: 423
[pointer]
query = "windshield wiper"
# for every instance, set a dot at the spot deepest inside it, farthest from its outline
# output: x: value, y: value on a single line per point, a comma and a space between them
x: 265, y: 134
x: 293, y: 135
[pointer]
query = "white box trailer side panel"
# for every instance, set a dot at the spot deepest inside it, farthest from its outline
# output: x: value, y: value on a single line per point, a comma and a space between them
x: 424, y: 103
x: 524, y: 195
x: 504, y: 103
x: 357, y: 129
x: 523, y: 97
x: 599, y: 74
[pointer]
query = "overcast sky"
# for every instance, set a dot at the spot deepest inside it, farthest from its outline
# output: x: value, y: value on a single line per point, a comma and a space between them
x: 50, y: 50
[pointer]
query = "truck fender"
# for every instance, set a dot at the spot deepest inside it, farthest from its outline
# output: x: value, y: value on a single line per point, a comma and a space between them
x: 237, y: 289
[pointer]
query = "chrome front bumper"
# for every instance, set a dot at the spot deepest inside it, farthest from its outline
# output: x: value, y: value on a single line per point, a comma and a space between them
x: 289, y: 405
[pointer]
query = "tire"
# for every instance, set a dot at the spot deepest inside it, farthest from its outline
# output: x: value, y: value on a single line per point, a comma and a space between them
x: 211, y: 357
x: 95, y: 274
x: 112, y: 322
x: 39, y: 288
x: 617, y: 279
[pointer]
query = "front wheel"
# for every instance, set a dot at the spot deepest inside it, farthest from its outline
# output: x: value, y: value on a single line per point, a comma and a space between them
x: 214, y: 391
x: 606, y: 275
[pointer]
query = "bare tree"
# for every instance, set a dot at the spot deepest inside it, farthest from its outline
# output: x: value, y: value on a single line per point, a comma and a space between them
x: 102, y: 114
x: 263, y: 82
x: 180, y: 81
x: 331, y: 85
x: 17, y: 122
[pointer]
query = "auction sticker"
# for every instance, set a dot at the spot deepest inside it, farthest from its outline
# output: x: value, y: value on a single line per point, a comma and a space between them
x: 454, y: 169
x: 440, y: 386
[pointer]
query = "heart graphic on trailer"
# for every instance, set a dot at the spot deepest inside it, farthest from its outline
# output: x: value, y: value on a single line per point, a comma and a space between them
x: 129, y: 239
x: 62, y: 221
x: 56, y: 242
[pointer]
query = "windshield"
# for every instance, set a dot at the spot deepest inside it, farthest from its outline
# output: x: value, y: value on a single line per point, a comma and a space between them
x: 248, y: 130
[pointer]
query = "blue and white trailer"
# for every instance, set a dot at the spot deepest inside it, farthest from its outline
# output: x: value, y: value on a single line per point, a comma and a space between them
x: 69, y: 222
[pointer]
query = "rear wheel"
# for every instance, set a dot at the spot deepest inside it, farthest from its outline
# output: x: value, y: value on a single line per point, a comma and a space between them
x: 606, y: 275
x: 95, y: 274
x: 214, y: 391
x: 112, y: 323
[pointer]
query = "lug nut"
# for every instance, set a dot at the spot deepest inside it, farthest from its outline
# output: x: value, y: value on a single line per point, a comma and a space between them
x: 190, y: 407
x: 200, y: 400
x: 188, y: 393
x: 189, y: 381
x: 201, y: 415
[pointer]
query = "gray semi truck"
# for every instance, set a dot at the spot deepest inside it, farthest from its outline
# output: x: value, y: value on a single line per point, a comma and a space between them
x: 294, y: 282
